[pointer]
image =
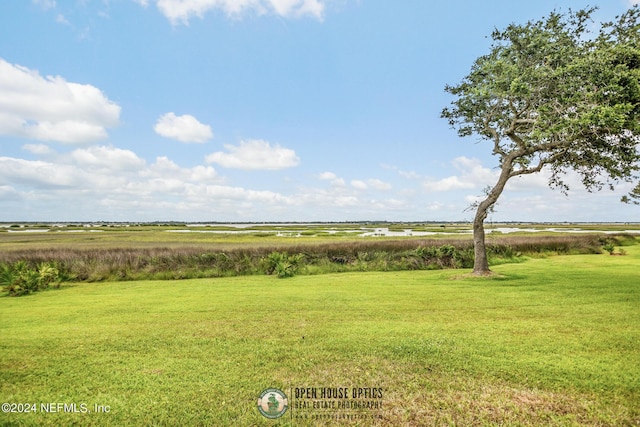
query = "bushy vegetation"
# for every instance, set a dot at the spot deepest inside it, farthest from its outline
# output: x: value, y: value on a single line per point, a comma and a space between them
x: 281, y: 264
x: 28, y: 270
x: 22, y: 278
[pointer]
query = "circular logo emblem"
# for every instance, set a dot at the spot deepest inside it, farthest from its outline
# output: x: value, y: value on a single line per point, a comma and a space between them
x: 273, y: 403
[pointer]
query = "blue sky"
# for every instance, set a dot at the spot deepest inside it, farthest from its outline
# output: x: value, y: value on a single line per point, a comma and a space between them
x: 256, y: 110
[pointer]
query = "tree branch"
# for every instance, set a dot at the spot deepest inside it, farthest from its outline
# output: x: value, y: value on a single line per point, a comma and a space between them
x: 535, y: 169
x: 497, y: 149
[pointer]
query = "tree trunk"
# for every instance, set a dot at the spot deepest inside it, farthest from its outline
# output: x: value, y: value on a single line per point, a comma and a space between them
x: 480, y: 260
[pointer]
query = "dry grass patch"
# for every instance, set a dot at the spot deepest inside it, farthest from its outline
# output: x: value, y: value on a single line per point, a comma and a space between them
x: 418, y: 395
x: 469, y: 402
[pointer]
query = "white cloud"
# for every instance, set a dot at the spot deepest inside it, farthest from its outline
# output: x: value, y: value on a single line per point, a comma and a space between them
x: 435, y: 206
x: 185, y: 128
x: 240, y: 194
x: 110, y: 158
x: 472, y: 175
x: 394, y: 203
x: 330, y: 176
x: 37, y: 173
x: 449, y: 184
x: 99, y: 178
x: 103, y: 170
x: 405, y: 174
x: 110, y: 183
x: 255, y: 154
x: 180, y: 11
x: 297, y: 7
x: 45, y: 4
x: 52, y: 109
x: 165, y: 167
x: 105, y: 182
x: 359, y: 184
x: 532, y: 182
x: 378, y: 184
x: 61, y: 19
x: 409, y: 174
x: 40, y: 149
x: 8, y: 193
x: 373, y: 183
x: 321, y: 198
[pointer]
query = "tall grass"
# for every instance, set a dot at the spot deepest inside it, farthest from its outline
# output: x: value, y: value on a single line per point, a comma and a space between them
x: 115, y: 263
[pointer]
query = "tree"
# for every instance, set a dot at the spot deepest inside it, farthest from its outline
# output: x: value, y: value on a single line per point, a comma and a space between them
x: 633, y: 196
x: 551, y: 95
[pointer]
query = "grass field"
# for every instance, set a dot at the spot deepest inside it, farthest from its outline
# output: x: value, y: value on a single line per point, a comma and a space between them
x: 552, y: 341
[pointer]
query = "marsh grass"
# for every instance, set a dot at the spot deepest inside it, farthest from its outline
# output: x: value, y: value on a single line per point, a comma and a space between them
x: 551, y: 341
x: 138, y: 255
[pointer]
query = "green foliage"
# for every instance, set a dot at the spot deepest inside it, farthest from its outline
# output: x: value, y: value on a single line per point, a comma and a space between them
x: 445, y: 256
x: 633, y: 197
x: 550, y: 95
x: 446, y: 251
x: 609, y: 247
x: 20, y: 278
x: 281, y: 264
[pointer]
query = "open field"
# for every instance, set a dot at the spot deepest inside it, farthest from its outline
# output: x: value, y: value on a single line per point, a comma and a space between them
x: 548, y: 341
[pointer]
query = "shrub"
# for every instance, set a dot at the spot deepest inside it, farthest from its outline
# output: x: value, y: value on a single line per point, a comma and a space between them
x: 426, y: 252
x: 464, y: 258
x: 281, y: 264
x: 446, y: 251
x: 47, y: 274
x: 20, y: 278
x: 9, y: 279
x: 609, y: 247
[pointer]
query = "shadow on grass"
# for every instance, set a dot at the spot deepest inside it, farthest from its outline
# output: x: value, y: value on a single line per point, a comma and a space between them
x: 490, y: 277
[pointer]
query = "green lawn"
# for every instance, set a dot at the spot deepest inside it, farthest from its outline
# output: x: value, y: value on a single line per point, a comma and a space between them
x: 552, y: 341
